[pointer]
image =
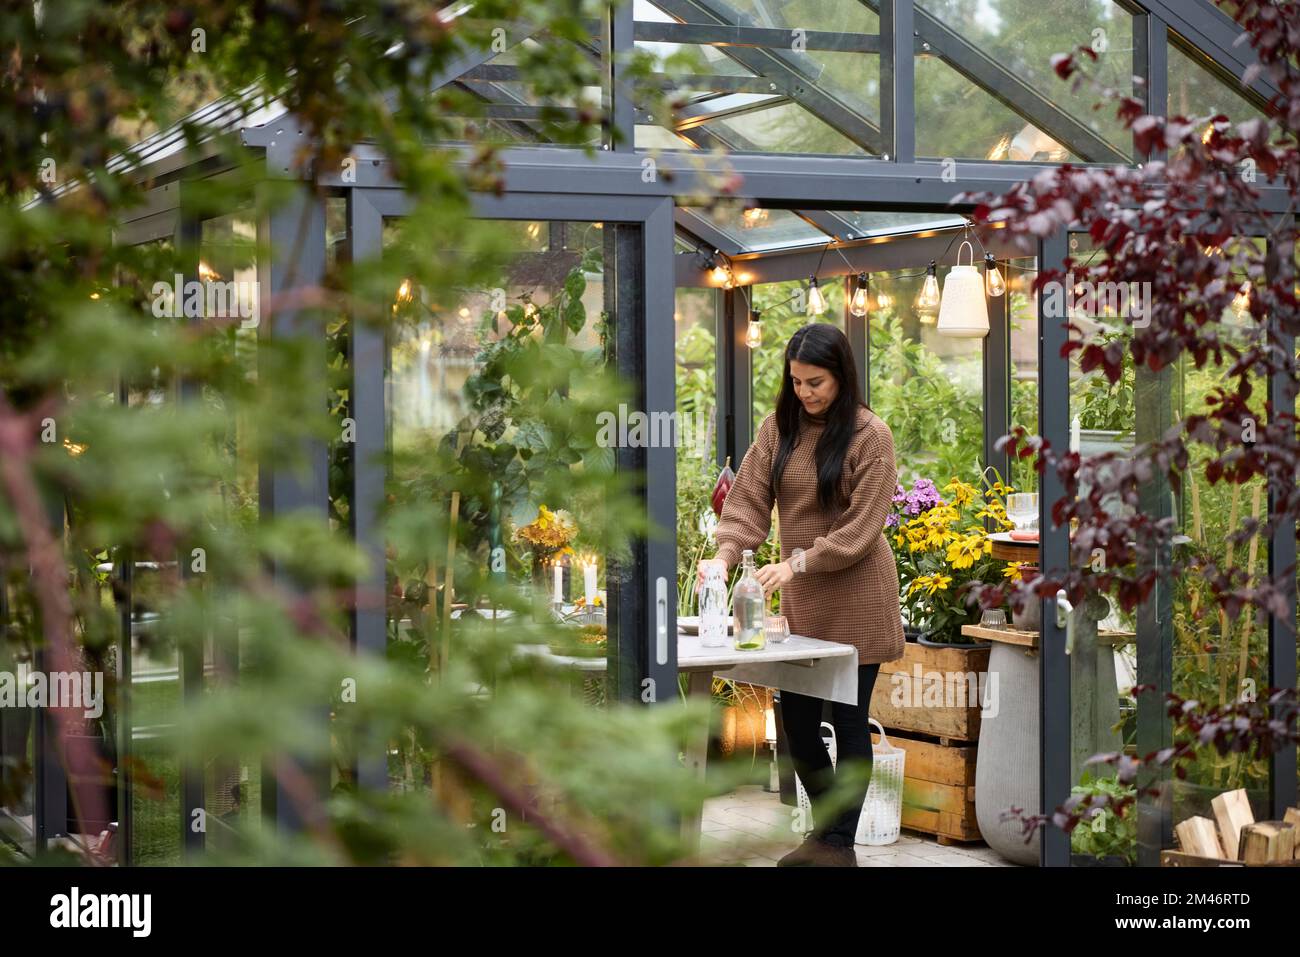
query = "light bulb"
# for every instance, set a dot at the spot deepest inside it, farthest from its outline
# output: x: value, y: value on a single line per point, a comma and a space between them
x: 816, y: 301
x: 883, y: 301
x: 927, y: 301
x: 754, y: 331
x: 858, y: 305
x: 993, y: 283
x: 719, y: 275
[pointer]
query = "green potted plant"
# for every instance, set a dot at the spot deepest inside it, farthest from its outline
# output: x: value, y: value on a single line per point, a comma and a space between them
x: 1108, y: 837
x: 941, y: 547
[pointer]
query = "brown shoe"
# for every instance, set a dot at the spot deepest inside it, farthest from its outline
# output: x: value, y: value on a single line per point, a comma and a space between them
x: 814, y: 852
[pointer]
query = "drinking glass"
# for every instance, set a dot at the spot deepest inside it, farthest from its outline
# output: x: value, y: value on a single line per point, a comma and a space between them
x: 1022, y: 510
x: 777, y: 628
x: 993, y: 618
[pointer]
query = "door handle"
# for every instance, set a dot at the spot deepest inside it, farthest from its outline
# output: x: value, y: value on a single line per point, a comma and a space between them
x: 1065, y: 619
x: 661, y: 620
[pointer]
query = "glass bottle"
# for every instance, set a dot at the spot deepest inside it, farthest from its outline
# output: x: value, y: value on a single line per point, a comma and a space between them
x: 748, y: 606
x: 713, y: 609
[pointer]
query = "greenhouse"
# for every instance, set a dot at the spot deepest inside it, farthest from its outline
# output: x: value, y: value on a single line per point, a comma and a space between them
x: 441, y: 434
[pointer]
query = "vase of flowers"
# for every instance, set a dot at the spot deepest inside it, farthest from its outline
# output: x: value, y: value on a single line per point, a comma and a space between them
x: 549, y: 539
x: 942, y: 546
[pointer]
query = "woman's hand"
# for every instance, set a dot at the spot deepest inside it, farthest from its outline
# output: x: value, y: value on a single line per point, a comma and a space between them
x: 704, y: 565
x: 772, y: 577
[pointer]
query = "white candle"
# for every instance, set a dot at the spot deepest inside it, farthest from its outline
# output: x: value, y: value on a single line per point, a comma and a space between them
x: 559, y: 581
x: 1074, y: 434
x: 589, y: 582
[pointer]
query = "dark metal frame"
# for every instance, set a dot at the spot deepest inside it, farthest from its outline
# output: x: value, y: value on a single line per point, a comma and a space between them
x: 546, y: 182
x: 639, y: 279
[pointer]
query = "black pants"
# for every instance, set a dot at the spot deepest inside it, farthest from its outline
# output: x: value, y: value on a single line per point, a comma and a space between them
x: 801, y: 718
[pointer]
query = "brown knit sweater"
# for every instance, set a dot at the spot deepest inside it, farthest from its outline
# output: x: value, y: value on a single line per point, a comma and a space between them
x: 848, y: 588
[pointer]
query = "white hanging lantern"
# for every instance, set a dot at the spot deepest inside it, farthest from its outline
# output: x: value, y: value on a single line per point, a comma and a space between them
x: 963, y: 311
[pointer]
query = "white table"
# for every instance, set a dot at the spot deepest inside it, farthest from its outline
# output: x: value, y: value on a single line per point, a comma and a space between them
x: 822, y: 669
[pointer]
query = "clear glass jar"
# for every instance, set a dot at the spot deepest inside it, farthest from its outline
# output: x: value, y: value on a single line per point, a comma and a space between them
x: 713, y: 609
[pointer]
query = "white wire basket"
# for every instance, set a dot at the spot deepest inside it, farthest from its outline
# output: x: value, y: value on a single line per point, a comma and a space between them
x: 882, y: 810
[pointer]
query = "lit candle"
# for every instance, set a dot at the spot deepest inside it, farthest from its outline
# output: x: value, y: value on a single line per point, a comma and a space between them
x: 589, y: 582
x: 559, y: 582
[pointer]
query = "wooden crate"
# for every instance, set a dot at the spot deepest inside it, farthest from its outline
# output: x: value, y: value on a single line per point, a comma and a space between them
x: 938, y: 787
x: 899, y: 702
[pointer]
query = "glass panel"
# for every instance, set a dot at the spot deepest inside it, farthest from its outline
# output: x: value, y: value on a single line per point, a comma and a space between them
x: 657, y: 138
x: 955, y: 118
x: 1020, y: 275
x: 780, y: 304
x: 1214, y: 660
x: 824, y: 101
x: 928, y: 387
x: 1195, y: 91
x: 784, y: 129
x: 155, y: 686
x: 961, y: 118
x: 471, y: 99
x: 232, y: 785
x: 695, y: 324
x: 760, y: 229
x: 493, y: 392
x: 879, y: 224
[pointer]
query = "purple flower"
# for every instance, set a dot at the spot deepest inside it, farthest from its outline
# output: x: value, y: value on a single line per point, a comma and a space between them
x: 891, y: 521
x: 923, y: 496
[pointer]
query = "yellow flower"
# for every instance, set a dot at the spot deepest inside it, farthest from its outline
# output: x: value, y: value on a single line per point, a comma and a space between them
x: 550, y: 531
x: 929, y: 584
x: 996, y: 511
x: 961, y: 492
x: 998, y: 490
x: 964, y: 552
x: 1012, y: 570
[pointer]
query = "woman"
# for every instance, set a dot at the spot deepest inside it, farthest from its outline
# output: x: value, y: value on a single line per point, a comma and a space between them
x: 827, y: 463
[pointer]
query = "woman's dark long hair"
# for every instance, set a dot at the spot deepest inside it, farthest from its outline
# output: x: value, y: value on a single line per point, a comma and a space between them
x: 826, y: 347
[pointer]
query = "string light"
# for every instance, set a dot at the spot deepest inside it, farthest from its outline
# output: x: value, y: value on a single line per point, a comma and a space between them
x: 754, y: 330
x: 860, y: 303
x: 994, y: 285
x: 816, y: 304
x: 816, y: 301
x: 927, y: 300
x: 719, y: 270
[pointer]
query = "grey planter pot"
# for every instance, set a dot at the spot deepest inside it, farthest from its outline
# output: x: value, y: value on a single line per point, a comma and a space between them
x: 1031, y: 619
x: 1007, y: 767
